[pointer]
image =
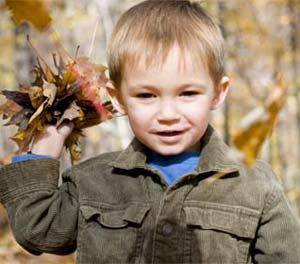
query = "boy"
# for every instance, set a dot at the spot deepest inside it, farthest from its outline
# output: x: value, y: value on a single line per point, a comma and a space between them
x: 177, y: 194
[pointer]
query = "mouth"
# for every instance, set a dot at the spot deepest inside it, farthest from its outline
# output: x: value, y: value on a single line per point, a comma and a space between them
x: 170, y: 137
x: 172, y: 133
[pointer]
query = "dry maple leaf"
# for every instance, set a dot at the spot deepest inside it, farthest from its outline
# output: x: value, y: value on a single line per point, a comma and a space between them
x: 22, y: 10
x: 258, y: 124
x: 74, y: 92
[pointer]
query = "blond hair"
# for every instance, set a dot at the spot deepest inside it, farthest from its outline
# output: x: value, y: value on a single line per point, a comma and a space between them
x: 148, y: 30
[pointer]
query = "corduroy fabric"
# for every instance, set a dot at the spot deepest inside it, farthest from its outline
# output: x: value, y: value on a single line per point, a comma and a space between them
x: 115, y: 208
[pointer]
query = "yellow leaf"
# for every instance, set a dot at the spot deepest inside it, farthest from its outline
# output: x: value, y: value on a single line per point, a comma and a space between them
x: 75, y: 152
x: 19, y: 135
x: 49, y: 90
x: 68, y: 77
x: 259, y: 123
x: 24, y: 137
x: 72, y: 143
x: 33, y: 11
x: 38, y: 111
x: 35, y: 93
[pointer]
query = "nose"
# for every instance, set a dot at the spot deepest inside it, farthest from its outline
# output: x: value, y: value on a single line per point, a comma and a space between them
x: 168, y: 112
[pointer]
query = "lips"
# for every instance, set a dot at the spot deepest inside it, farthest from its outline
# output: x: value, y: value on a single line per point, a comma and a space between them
x: 170, y: 136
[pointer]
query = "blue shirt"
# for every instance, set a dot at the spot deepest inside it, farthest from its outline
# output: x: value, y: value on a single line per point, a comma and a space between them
x: 22, y: 157
x: 174, y: 166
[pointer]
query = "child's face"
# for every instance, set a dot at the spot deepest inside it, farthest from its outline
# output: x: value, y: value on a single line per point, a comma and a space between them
x: 167, y: 106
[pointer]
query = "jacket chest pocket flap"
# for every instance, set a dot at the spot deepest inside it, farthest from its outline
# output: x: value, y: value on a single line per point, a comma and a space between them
x: 237, y: 222
x: 116, y: 217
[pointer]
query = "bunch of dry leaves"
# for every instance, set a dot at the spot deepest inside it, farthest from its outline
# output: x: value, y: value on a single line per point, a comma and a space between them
x: 75, y: 91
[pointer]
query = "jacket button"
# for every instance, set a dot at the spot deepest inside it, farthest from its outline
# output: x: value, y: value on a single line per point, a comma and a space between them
x: 167, y: 229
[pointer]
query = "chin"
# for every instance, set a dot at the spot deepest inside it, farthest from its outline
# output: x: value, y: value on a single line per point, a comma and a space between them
x: 168, y: 152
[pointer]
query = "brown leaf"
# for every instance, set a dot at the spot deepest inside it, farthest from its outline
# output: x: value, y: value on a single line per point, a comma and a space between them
x: 38, y: 76
x: 74, y: 93
x: 45, y: 70
x: 91, y: 116
x: 49, y: 90
x: 9, y: 108
x: 72, y: 89
x: 73, y: 112
x: 91, y: 78
x: 21, y: 118
x: 20, y: 98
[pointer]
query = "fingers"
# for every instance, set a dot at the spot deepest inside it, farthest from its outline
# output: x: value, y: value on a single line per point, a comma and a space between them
x: 51, y: 140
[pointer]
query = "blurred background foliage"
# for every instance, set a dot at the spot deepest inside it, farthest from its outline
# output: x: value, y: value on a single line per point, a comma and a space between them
x: 262, y: 38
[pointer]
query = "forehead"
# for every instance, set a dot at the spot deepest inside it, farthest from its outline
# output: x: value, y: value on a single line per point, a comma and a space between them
x: 175, y: 64
x: 145, y: 57
x: 176, y: 57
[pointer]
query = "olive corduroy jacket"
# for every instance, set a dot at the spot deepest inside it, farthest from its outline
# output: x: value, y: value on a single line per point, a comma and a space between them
x: 114, y: 208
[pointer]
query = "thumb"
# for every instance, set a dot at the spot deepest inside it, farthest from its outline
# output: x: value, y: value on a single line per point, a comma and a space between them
x: 65, y: 128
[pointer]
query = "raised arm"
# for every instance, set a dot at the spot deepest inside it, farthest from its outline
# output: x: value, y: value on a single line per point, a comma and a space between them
x: 43, y: 216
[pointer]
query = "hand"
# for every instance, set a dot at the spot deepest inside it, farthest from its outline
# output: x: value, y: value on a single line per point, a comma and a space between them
x: 51, y: 140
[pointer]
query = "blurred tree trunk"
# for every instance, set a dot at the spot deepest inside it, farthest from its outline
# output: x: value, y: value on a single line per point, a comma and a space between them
x: 24, y: 58
x: 294, y: 45
x: 294, y: 13
x: 226, y: 112
x: 23, y: 61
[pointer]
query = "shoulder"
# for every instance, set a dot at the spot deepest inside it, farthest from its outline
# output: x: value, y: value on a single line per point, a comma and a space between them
x: 262, y: 172
x: 102, y: 160
x: 264, y: 181
x: 98, y: 163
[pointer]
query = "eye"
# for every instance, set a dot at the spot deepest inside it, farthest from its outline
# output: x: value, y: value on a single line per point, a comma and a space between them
x: 189, y: 93
x: 145, y: 95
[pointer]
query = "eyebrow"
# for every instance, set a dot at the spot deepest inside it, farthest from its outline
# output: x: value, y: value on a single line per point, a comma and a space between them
x: 180, y: 87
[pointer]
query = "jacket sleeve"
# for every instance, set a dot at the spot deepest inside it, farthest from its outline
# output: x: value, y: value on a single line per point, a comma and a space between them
x: 43, y: 216
x: 278, y: 235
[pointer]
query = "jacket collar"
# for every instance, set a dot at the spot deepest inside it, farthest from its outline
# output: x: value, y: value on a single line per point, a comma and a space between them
x: 215, y: 155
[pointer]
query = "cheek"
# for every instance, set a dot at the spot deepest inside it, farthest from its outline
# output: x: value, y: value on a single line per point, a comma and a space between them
x: 139, y: 112
x: 198, y: 112
x: 138, y: 118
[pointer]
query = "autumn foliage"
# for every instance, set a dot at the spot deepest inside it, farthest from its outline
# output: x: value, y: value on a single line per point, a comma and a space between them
x: 22, y: 11
x: 258, y: 124
x: 74, y: 92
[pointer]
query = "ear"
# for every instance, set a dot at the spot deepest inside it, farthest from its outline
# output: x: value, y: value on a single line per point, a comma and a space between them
x: 220, y: 93
x: 115, y: 97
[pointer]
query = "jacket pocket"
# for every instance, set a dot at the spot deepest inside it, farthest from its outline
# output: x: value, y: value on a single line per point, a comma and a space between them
x: 220, y: 233
x: 111, y: 234
x: 115, y: 217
